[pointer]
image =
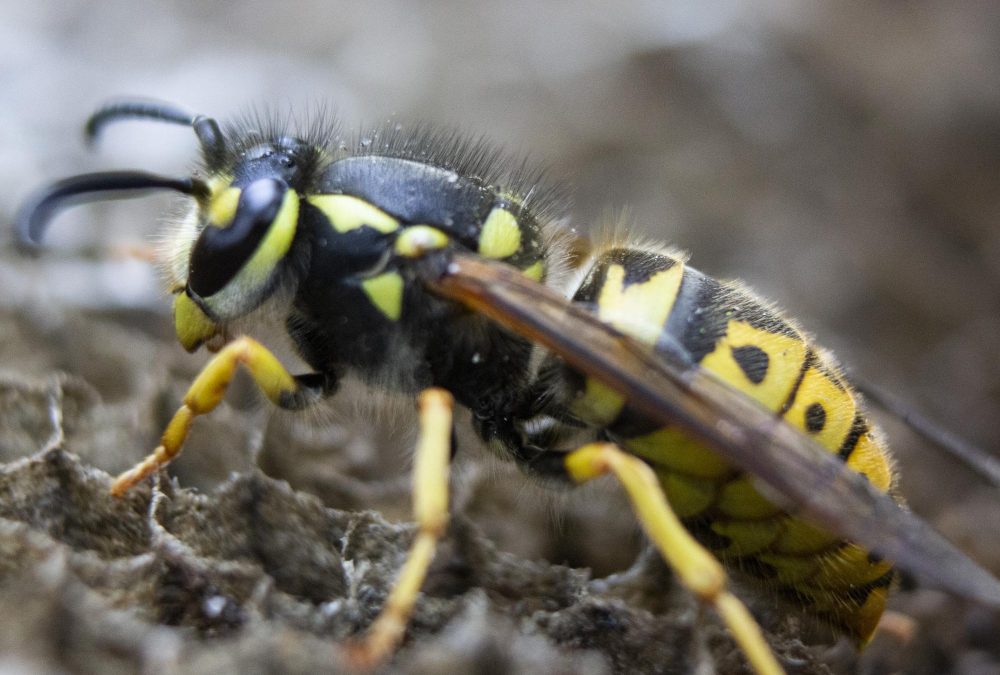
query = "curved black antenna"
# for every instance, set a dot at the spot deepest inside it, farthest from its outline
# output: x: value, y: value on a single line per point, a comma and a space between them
x: 35, y: 216
x: 205, y: 128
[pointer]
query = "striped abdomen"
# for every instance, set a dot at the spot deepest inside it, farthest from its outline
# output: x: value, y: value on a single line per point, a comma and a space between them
x: 654, y: 297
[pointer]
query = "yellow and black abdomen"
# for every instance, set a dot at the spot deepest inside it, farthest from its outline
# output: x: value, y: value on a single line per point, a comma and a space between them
x: 656, y: 298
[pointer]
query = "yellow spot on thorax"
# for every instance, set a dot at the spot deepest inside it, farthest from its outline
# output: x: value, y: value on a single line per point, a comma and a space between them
x: 417, y: 240
x: 500, y: 236
x: 385, y: 291
x: 347, y: 213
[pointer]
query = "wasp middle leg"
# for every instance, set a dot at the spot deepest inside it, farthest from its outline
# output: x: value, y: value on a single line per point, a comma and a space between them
x: 430, y: 509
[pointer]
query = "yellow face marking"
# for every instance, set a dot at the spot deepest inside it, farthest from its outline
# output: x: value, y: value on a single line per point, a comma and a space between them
x: 274, y: 245
x: 191, y: 324
x: 640, y: 309
x: 386, y: 292
x: 347, y: 213
x: 871, y: 460
x: 230, y: 300
x: 818, y: 392
x: 500, y: 236
x: 673, y: 449
x: 535, y: 272
x: 222, y: 207
x: 785, y: 355
x: 219, y: 182
x: 417, y: 240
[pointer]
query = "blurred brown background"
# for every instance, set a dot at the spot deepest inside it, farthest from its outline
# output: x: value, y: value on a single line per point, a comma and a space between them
x: 842, y: 158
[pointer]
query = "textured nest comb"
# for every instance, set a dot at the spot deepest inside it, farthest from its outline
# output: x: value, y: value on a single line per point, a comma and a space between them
x: 252, y: 574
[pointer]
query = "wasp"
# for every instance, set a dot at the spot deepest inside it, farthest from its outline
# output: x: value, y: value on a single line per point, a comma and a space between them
x: 422, y: 263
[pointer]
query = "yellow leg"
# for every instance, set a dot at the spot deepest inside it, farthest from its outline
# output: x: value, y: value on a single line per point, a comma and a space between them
x: 205, y: 393
x: 430, y: 508
x: 696, y: 568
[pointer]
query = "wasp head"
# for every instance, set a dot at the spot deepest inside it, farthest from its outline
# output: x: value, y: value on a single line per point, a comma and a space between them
x: 227, y: 255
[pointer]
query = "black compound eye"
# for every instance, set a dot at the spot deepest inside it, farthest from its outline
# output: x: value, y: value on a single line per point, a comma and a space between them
x: 221, y: 252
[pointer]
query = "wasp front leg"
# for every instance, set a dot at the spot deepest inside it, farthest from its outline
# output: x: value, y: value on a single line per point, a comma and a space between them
x: 206, y: 392
x: 430, y: 509
x: 696, y: 568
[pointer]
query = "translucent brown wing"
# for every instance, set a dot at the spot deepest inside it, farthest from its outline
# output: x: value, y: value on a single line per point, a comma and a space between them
x: 792, y: 470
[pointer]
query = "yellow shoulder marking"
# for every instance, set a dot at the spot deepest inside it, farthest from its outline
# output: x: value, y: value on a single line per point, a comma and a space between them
x: 385, y: 291
x: 347, y: 213
x: 500, y: 236
x: 778, y: 362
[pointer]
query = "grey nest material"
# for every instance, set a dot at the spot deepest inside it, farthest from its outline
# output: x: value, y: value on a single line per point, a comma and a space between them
x: 258, y: 577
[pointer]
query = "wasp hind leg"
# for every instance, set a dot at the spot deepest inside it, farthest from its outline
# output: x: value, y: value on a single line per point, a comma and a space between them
x: 206, y: 392
x: 430, y: 509
x: 696, y: 568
